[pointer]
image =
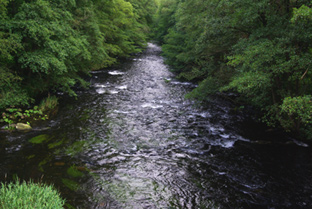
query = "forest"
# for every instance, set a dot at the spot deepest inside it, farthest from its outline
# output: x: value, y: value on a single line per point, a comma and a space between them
x: 48, y: 46
x: 259, y: 51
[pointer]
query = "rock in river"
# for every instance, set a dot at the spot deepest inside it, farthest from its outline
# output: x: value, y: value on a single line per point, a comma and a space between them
x: 23, y: 126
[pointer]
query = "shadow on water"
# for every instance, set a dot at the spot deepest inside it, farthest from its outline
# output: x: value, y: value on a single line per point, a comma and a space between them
x: 133, y: 141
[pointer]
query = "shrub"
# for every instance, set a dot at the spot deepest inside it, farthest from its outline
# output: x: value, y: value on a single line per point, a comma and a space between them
x: 28, y: 196
x: 297, y: 112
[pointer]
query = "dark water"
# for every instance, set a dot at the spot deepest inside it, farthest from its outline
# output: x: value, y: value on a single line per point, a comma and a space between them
x: 133, y: 141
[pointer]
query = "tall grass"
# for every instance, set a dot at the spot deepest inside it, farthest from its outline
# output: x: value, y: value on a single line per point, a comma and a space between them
x: 48, y: 103
x: 16, y: 195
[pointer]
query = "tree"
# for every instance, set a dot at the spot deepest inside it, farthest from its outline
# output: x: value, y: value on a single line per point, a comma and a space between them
x: 50, y: 45
x: 260, y: 49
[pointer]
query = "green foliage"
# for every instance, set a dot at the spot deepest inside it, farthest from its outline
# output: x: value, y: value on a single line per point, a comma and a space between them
x: 50, y: 45
x: 252, y: 86
x: 296, y: 112
x: 303, y: 13
x: 29, y: 195
x: 14, y: 115
x: 3, y: 5
x: 49, y: 103
x: 206, y: 87
x: 10, y: 91
x: 164, y: 19
x: 260, y: 49
x: 74, y: 172
x: 143, y: 12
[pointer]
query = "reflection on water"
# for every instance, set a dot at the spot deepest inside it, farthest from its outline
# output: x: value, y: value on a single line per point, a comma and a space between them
x: 133, y: 141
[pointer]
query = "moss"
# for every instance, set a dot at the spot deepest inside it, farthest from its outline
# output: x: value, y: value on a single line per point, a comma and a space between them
x: 72, y: 185
x: 39, y: 139
x: 74, y: 172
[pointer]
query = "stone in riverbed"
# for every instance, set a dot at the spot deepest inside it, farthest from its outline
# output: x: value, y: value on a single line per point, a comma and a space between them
x: 23, y: 126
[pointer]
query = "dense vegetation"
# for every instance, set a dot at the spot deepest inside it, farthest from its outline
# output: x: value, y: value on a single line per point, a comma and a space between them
x: 50, y: 45
x: 260, y: 49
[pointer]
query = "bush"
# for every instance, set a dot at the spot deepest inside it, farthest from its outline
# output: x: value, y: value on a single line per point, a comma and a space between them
x: 28, y: 196
x: 297, y: 112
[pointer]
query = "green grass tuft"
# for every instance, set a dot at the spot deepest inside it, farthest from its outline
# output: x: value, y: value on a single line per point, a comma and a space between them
x: 48, y: 103
x: 29, y: 195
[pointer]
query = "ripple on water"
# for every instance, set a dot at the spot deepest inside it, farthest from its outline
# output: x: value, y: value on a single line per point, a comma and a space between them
x: 97, y: 85
x: 115, y: 72
x: 121, y: 87
x: 112, y: 92
x: 101, y: 91
x: 120, y: 111
x: 150, y: 105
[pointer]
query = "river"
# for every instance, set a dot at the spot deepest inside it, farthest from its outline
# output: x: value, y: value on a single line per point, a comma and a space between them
x: 132, y: 141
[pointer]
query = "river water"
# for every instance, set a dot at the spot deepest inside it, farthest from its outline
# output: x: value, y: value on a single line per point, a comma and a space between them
x: 132, y: 141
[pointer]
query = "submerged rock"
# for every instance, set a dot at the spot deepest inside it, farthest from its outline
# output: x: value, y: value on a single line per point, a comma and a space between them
x: 23, y: 126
